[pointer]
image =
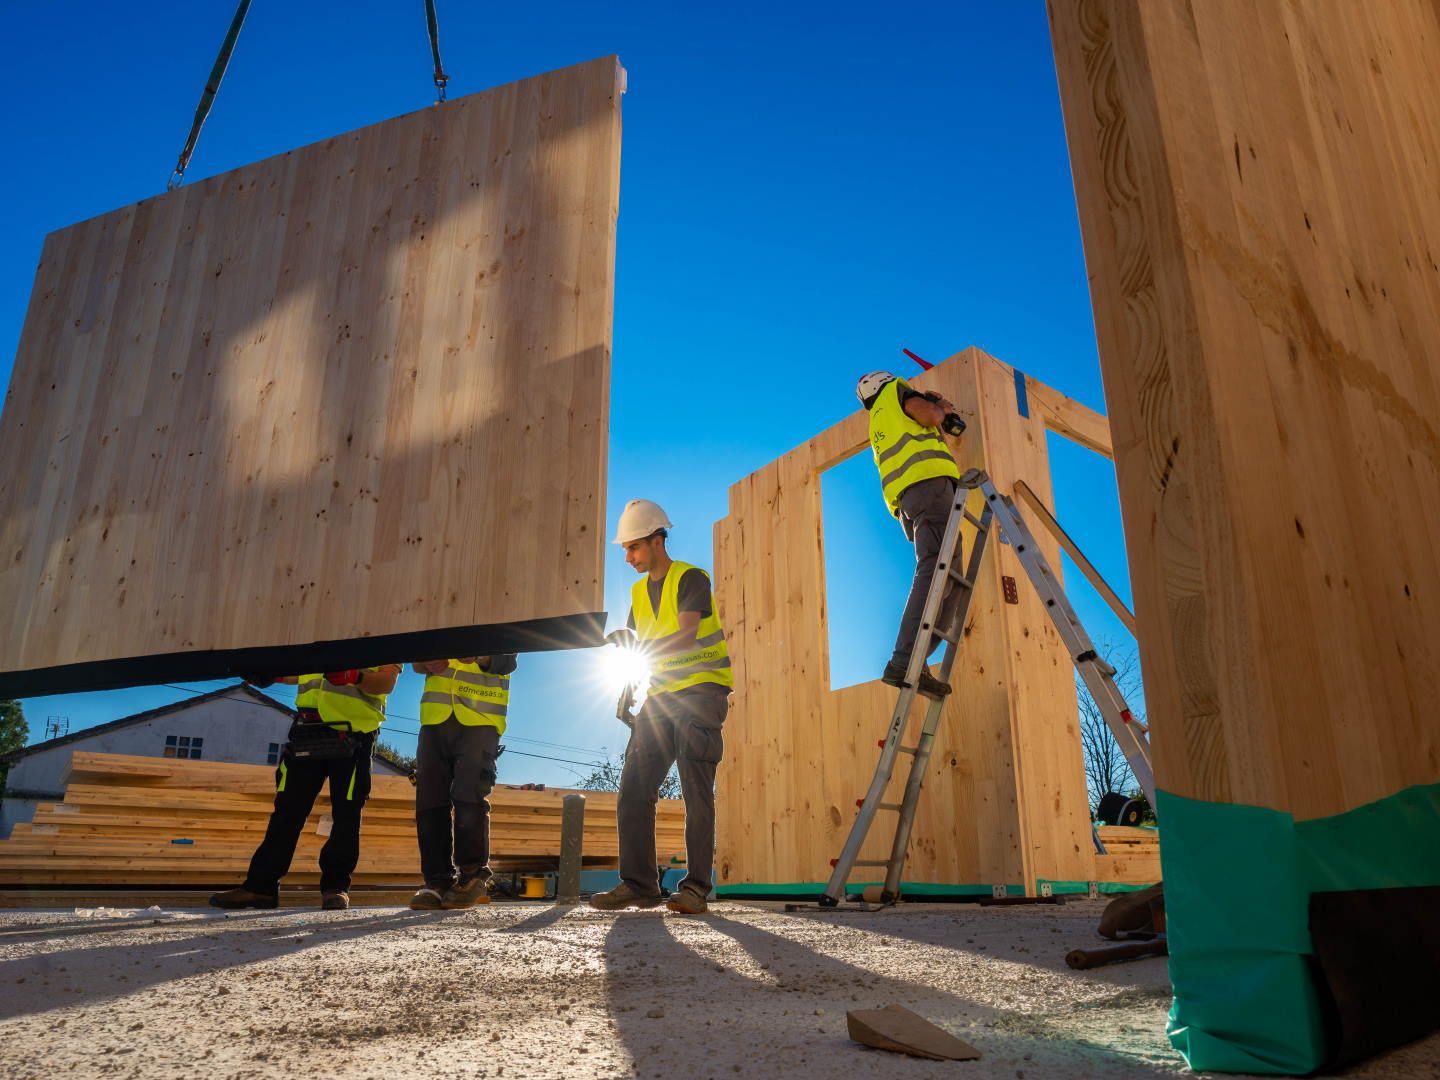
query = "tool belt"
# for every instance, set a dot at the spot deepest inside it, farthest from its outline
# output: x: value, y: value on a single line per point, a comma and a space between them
x: 311, y: 739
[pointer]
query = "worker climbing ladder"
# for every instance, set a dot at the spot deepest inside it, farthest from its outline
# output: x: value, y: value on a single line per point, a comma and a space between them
x: 944, y: 618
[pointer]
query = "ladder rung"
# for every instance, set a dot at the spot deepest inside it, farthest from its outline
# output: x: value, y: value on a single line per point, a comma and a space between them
x: 888, y: 806
x: 906, y: 749
x: 960, y: 578
x: 973, y: 520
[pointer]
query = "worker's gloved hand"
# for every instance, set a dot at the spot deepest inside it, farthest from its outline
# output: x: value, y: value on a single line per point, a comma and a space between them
x: 625, y: 637
x: 349, y: 677
x: 430, y: 667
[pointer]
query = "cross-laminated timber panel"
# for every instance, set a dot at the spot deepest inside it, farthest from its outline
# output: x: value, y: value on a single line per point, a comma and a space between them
x: 345, y: 405
x: 1257, y: 186
x: 1004, y: 801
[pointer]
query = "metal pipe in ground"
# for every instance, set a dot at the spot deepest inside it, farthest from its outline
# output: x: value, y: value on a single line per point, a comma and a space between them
x: 572, y: 839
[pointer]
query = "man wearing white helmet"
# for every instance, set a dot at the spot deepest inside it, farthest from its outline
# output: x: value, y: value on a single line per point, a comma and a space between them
x: 673, y: 622
x: 918, y: 475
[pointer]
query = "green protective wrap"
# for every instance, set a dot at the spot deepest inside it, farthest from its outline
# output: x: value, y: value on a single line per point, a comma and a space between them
x: 1238, y: 881
x: 1079, y: 888
x: 812, y: 889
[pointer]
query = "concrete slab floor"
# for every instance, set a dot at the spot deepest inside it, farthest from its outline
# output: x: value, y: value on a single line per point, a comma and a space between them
x: 520, y: 990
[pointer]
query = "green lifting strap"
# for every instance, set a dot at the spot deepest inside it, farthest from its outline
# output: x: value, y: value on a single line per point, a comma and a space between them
x: 207, y: 97
x: 432, y: 21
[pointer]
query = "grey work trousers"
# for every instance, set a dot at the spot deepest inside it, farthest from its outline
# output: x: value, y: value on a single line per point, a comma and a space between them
x: 683, y: 729
x: 924, y: 511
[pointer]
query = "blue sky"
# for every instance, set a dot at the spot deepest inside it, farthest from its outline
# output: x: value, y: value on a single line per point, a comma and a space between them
x: 803, y: 193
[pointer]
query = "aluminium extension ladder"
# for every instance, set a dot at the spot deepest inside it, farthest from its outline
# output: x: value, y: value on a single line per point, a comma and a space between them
x: 1098, y: 676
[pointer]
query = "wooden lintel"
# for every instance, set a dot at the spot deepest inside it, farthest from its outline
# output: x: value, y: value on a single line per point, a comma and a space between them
x: 1066, y: 416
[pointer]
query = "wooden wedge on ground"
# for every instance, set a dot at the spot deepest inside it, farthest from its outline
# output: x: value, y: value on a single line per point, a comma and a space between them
x: 897, y: 1028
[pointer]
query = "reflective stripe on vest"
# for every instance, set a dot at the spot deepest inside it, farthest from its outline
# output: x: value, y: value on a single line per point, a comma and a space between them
x: 476, y: 698
x: 307, y: 691
x: 905, y: 452
x: 709, y: 662
x: 350, y: 705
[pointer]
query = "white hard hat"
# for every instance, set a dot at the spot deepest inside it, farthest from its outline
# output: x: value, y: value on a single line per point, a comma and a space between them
x: 871, y: 384
x: 639, y: 519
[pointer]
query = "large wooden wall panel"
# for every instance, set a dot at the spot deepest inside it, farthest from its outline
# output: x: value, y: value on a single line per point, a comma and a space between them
x: 1258, y: 192
x: 353, y: 393
x: 1004, y: 799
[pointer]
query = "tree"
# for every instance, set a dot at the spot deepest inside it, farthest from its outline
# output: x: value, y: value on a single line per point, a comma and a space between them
x: 404, y: 762
x: 606, y: 777
x: 14, y: 733
x: 1106, y: 769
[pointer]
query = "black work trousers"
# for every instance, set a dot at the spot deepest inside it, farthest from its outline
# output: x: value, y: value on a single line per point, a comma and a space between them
x: 682, y: 729
x: 455, y: 773
x: 297, y: 784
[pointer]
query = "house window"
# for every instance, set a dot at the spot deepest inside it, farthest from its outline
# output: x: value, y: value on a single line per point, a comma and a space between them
x: 272, y: 756
x: 184, y: 746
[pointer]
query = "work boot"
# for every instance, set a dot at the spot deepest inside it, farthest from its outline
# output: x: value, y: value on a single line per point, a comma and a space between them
x: 236, y: 899
x: 425, y: 899
x: 931, y: 687
x: 334, y: 901
x: 467, y: 892
x: 687, y: 902
x: 623, y: 896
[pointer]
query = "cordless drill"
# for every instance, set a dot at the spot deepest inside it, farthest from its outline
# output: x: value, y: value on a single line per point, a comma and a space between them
x: 952, y: 424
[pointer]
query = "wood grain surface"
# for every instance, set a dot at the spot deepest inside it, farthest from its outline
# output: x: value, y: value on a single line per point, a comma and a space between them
x: 1257, y: 186
x: 357, y: 390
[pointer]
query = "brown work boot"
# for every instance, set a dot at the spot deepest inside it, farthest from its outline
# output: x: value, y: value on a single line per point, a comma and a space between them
x: 929, y: 686
x: 236, y: 899
x: 687, y: 902
x: 425, y: 899
x: 623, y: 896
x: 467, y: 892
x: 334, y: 901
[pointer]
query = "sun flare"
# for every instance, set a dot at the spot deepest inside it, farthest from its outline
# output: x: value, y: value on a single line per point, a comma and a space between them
x: 617, y: 667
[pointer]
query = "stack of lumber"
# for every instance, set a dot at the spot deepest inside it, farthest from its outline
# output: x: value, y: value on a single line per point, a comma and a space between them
x: 152, y: 822
x: 1132, y: 856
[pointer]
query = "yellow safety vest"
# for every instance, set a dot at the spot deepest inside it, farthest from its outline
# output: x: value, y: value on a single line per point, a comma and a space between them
x: 307, y: 691
x: 708, y: 663
x: 474, y: 697
x: 351, y: 705
x: 905, y: 452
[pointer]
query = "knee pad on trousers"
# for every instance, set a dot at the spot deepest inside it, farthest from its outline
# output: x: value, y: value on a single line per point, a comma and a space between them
x: 474, y: 788
x: 469, y: 814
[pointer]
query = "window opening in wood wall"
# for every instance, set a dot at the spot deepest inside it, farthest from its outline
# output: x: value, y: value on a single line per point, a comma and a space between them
x: 868, y: 568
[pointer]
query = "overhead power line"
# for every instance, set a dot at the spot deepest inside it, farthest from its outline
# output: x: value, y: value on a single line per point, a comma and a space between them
x: 389, y: 727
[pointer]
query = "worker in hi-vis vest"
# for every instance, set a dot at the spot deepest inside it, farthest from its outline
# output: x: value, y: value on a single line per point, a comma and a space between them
x: 462, y: 716
x: 918, y: 476
x: 333, y: 738
x: 673, y: 623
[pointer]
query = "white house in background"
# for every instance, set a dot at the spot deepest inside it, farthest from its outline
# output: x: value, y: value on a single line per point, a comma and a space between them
x: 237, y: 724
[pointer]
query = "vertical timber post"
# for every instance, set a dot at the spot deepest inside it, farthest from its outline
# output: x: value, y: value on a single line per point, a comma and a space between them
x: 572, y: 838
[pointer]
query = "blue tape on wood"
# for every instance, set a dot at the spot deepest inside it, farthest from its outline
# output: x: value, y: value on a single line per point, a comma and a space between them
x: 1022, y: 399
